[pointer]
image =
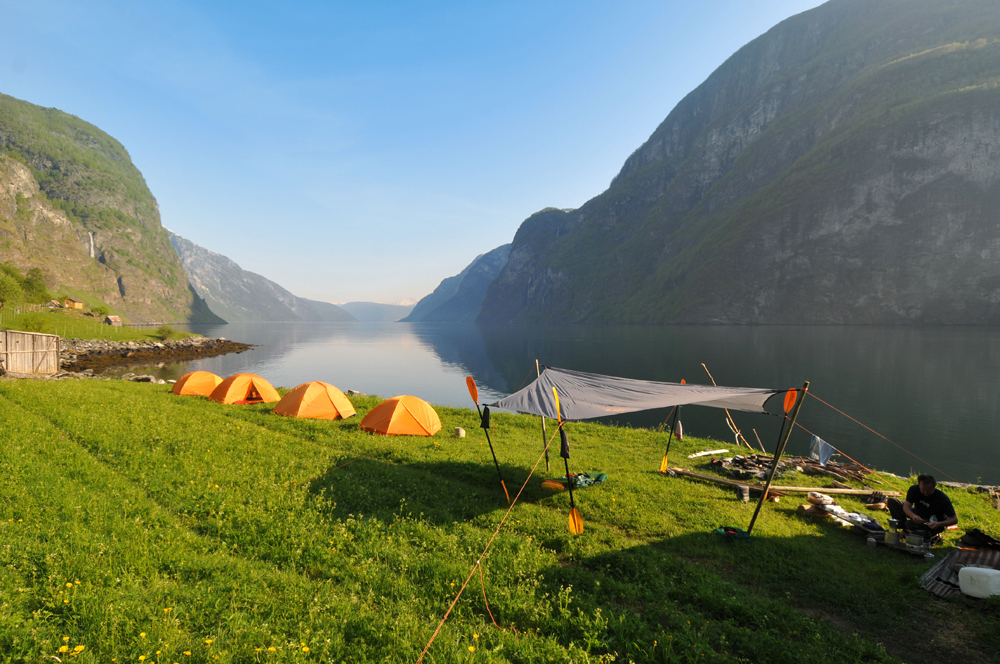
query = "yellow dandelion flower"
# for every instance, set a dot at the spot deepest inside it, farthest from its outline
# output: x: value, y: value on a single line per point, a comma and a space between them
x: 157, y: 652
x: 69, y: 585
x: 142, y: 658
x: 208, y: 642
x: 305, y: 648
x: 472, y: 648
x: 63, y: 648
x: 65, y: 601
x: 65, y: 638
x: 187, y: 653
x: 142, y: 634
x: 79, y: 648
x: 271, y: 649
x: 475, y: 636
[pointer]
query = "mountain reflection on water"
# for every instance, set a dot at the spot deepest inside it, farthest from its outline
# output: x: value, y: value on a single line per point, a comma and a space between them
x: 931, y: 390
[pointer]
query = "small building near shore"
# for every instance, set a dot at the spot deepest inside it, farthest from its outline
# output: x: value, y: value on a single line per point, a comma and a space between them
x: 53, y: 304
x: 72, y: 303
x: 113, y: 320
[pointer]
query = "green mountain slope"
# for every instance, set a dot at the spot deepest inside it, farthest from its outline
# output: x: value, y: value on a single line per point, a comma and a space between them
x: 841, y: 168
x: 73, y: 204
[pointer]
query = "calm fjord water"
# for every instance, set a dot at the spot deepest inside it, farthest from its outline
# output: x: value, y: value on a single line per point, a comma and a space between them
x: 934, y: 391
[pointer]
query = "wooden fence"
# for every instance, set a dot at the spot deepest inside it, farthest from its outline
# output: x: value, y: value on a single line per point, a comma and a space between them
x: 29, y: 352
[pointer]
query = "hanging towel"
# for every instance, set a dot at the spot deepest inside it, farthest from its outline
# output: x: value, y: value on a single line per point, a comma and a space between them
x: 820, y: 450
x: 679, y: 430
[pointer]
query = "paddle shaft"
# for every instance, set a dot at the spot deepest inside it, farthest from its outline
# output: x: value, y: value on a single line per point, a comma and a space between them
x: 495, y: 462
x: 785, y: 433
x: 545, y: 436
x: 670, y: 439
x: 569, y: 485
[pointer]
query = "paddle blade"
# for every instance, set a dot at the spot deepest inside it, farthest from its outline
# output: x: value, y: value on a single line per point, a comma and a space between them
x: 575, y: 522
x: 663, y: 464
x: 505, y: 491
x: 558, y: 414
x: 790, y: 397
x: 473, y: 391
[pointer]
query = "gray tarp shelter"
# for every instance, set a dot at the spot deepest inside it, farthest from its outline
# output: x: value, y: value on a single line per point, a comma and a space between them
x: 584, y: 396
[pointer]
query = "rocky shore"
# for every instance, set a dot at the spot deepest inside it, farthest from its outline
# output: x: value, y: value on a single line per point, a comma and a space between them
x: 78, y: 355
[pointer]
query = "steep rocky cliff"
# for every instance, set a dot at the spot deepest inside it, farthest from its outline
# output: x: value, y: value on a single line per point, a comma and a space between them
x: 460, y: 298
x: 73, y: 204
x: 238, y: 295
x: 841, y: 168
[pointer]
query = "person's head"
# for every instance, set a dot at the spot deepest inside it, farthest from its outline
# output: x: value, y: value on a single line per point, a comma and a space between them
x: 927, y: 484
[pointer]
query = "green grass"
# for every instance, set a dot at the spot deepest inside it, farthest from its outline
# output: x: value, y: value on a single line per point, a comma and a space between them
x: 139, y: 524
x: 74, y: 325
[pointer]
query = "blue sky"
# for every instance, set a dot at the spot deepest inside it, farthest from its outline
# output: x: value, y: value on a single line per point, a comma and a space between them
x: 367, y: 150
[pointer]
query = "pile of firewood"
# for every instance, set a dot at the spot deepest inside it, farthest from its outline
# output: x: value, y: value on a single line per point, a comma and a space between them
x: 758, y: 465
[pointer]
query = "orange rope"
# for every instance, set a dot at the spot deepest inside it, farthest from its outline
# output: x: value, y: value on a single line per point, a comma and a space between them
x: 839, y: 451
x: 481, y: 555
x: 882, y: 437
x: 487, y: 602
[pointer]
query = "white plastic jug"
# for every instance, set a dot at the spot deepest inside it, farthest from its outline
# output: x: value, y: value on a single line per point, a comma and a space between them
x: 979, y: 581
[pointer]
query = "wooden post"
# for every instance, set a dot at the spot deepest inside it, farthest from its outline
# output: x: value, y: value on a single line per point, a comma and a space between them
x: 545, y: 436
x: 777, y: 454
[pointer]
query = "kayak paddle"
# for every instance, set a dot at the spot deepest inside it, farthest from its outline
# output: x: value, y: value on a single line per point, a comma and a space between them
x: 484, y: 422
x: 575, y: 520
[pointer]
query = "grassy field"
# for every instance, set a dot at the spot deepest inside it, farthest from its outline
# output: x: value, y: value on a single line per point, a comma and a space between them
x: 75, y: 325
x: 137, y: 526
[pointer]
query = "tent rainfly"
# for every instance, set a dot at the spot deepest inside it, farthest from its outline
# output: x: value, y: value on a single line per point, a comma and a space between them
x: 402, y: 416
x: 583, y: 396
x: 244, y: 388
x: 201, y: 383
x: 316, y: 400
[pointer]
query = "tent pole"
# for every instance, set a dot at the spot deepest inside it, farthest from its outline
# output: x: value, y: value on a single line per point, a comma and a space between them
x: 786, y: 433
x: 545, y: 436
x: 670, y: 438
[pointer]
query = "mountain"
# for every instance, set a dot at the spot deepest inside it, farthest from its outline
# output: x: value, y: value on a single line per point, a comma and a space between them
x: 839, y: 169
x: 460, y: 298
x: 375, y: 312
x: 241, y: 296
x: 73, y: 204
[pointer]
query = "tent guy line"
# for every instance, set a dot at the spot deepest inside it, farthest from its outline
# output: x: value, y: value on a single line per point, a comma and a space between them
x: 479, y: 560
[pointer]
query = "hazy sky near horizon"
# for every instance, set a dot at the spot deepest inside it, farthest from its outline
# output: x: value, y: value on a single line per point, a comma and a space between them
x: 367, y: 150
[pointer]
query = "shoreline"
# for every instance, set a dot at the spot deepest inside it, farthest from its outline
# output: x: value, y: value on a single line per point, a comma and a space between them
x: 95, y: 355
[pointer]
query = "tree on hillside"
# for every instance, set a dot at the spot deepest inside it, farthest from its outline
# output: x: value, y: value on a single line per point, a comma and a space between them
x: 35, y: 286
x: 10, y: 291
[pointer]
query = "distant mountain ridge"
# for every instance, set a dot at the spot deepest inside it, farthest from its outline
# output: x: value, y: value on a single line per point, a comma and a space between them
x: 238, y: 295
x: 460, y: 298
x: 376, y: 312
x: 839, y: 169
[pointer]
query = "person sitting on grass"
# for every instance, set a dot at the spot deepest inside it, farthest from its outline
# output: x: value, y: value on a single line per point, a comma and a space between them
x: 926, y: 510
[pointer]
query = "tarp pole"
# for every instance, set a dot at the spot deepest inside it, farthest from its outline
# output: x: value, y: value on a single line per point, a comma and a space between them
x: 545, y: 436
x: 670, y: 438
x: 786, y: 433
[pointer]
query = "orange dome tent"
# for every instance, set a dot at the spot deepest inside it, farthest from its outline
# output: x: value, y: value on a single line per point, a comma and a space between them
x: 197, y: 382
x: 317, y: 400
x: 405, y: 416
x: 244, y: 388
